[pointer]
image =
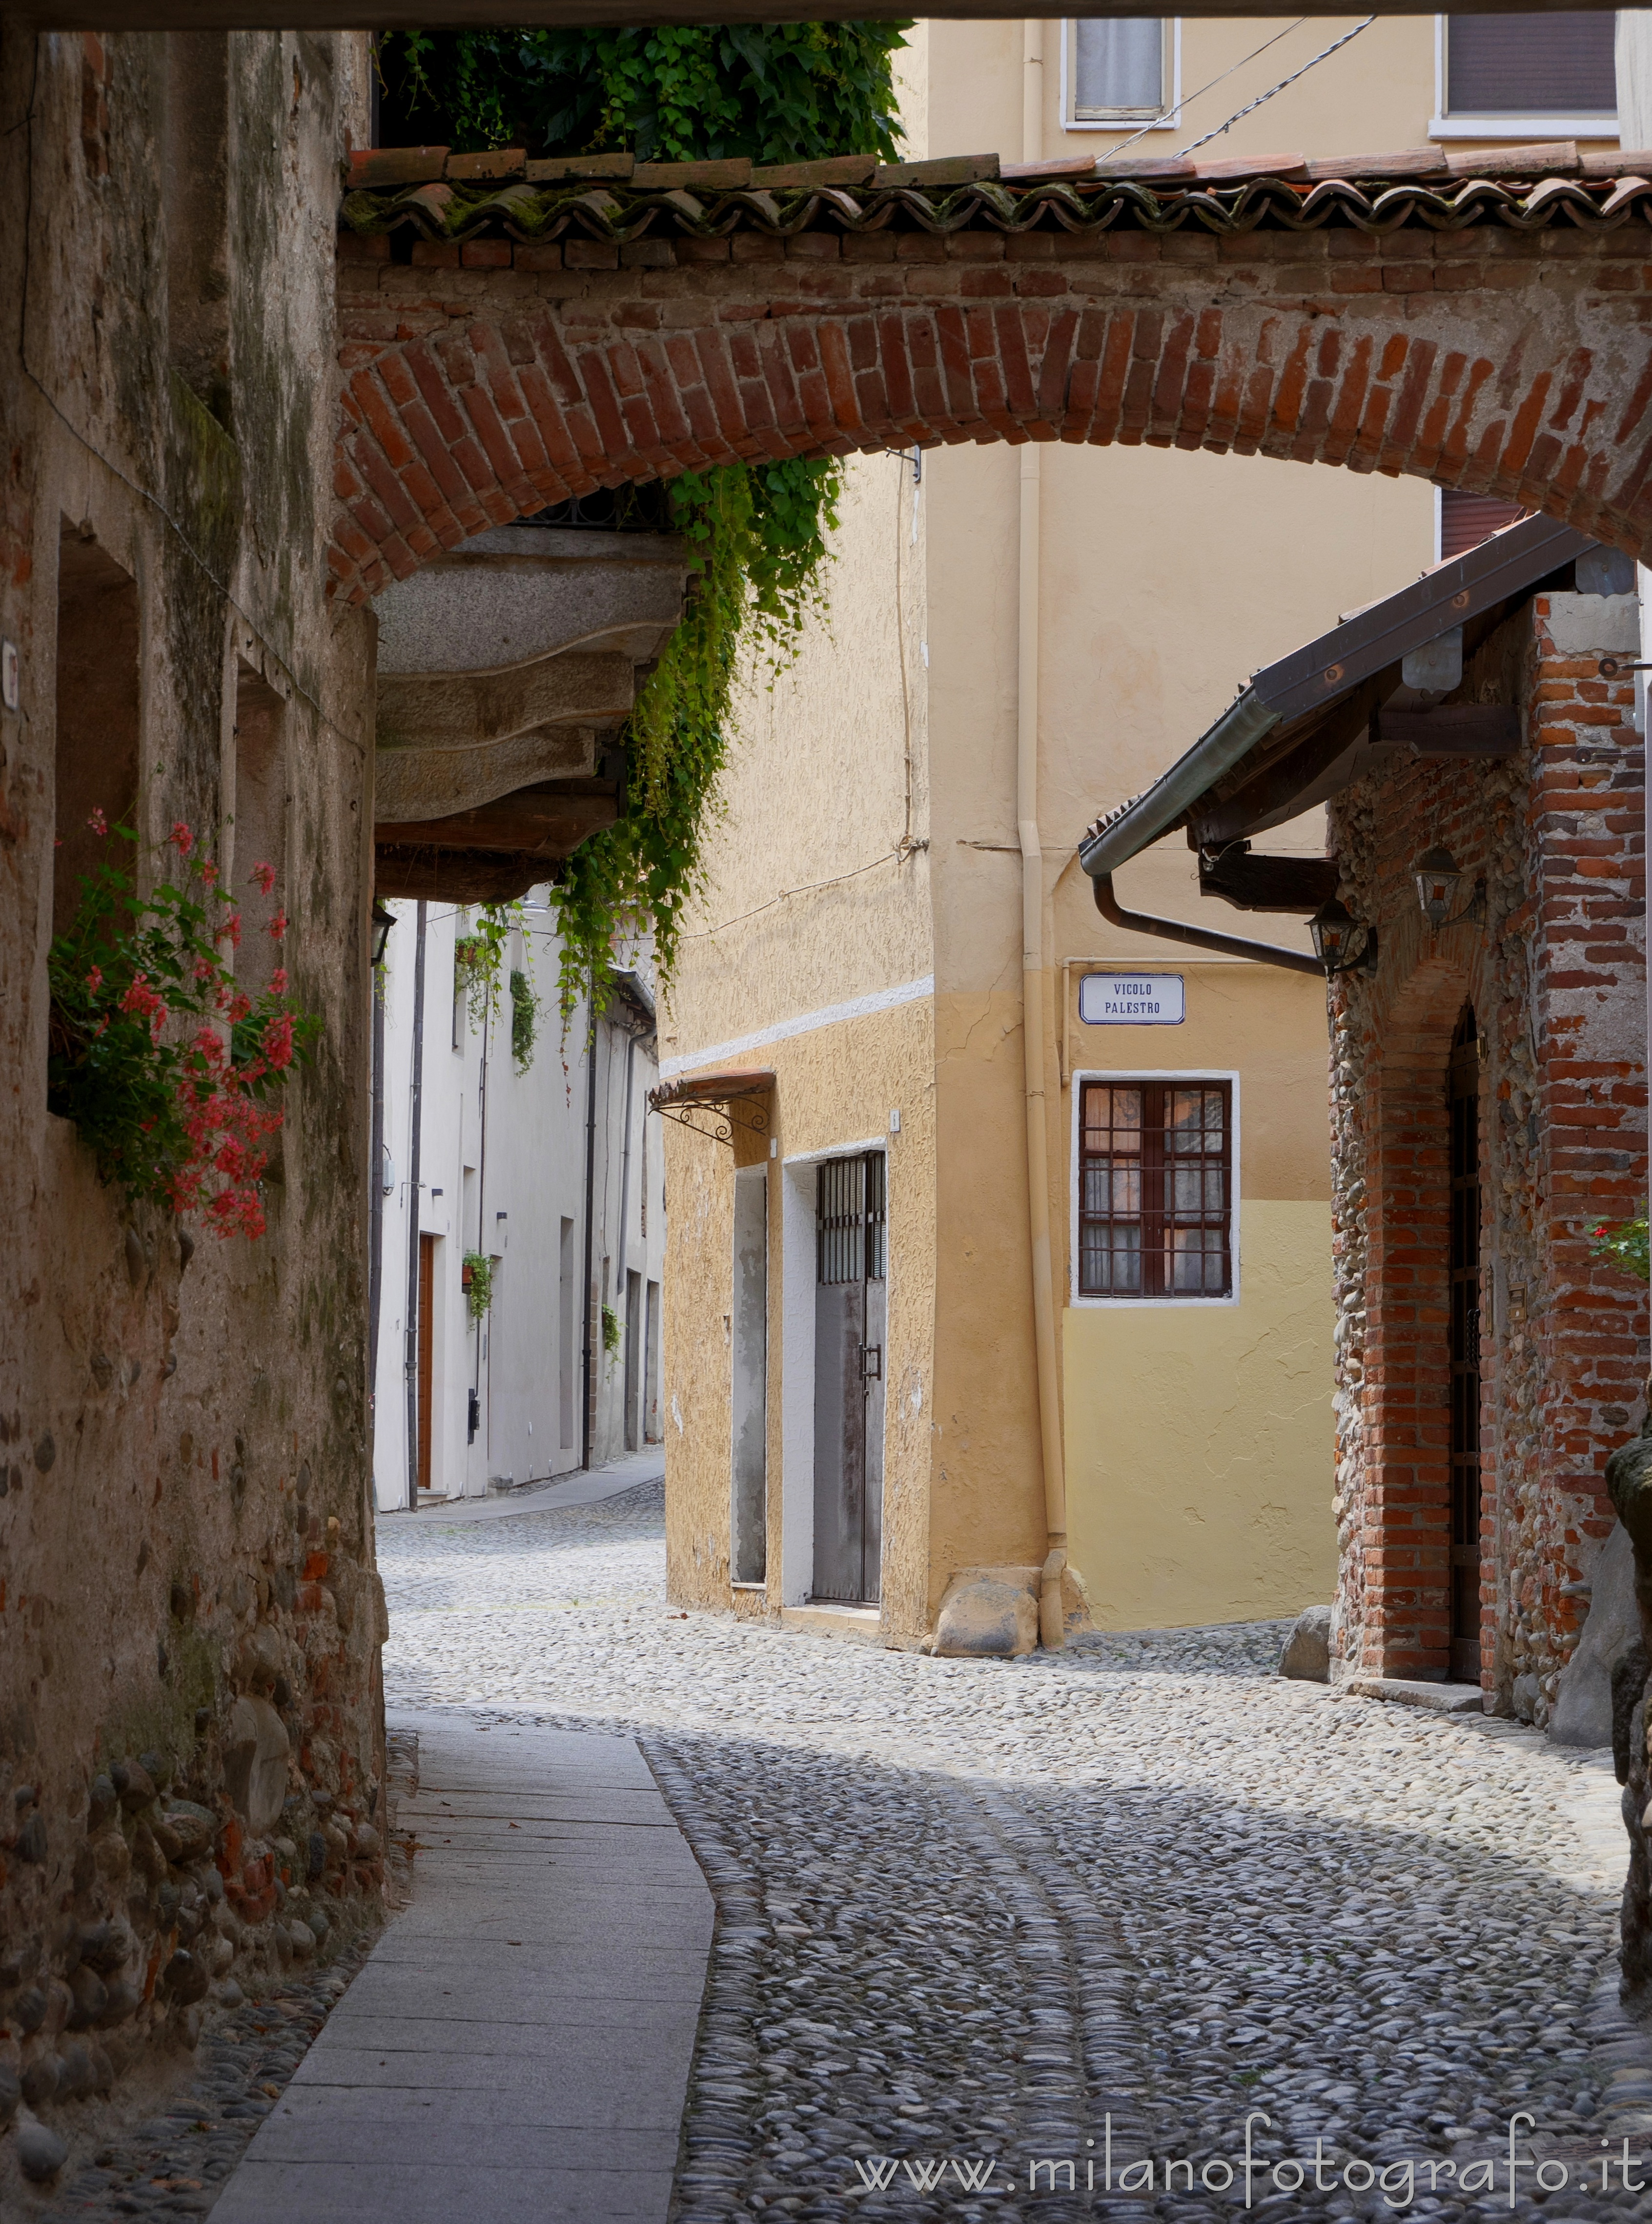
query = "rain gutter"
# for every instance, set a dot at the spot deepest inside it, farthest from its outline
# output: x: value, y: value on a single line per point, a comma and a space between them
x: 1309, y: 678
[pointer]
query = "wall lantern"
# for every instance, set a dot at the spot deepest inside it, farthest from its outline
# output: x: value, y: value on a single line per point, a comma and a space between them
x: 384, y: 921
x: 1333, y: 928
x: 1438, y: 876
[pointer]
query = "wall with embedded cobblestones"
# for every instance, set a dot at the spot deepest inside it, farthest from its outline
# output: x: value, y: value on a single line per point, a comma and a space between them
x: 1554, y: 973
x: 190, y: 1739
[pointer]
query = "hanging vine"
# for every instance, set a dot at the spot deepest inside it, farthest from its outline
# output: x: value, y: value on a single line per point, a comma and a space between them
x: 756, y: 532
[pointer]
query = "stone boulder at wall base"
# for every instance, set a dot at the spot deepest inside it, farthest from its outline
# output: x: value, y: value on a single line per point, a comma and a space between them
x: 254, y: 1763
x: 1307, y: 1653
x: 988, y: 1614
x: 1583, y: 1702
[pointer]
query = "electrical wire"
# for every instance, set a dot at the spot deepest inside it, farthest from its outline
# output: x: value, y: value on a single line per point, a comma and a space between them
x: 1209, y: 85
x: 1324, y: 55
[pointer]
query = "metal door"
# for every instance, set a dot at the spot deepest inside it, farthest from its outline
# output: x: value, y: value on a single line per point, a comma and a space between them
x: 850, y: 1318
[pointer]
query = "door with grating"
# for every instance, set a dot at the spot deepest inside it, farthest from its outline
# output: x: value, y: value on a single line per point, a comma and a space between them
x: 1465, y: 1332
x: 851, y: 1282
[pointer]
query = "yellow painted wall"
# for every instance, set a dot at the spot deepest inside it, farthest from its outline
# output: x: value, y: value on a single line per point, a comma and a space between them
x: 1199, y: 1437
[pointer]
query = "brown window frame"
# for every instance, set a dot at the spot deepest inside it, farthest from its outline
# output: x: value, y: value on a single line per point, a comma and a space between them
x: 1154, y: 1219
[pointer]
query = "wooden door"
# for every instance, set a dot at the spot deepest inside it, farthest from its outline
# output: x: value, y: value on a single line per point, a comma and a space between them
x: 849, y: 1334
x: 426, y: 1350
x: 1465, y: 1334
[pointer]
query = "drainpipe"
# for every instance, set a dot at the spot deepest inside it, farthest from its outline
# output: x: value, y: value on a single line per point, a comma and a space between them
x: 1051, y: 1625
x: 625, y: 1168
x: 416, y: 1120
x: 586, y: 1355
x: 376, y: 1194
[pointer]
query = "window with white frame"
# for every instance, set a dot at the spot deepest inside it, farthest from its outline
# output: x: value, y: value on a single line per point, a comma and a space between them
x: 1537, y: 74
x: 1119, y: 69
x: 1156, y: 1182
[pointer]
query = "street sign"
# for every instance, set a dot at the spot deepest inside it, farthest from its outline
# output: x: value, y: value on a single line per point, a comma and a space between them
x: 1132, y: 999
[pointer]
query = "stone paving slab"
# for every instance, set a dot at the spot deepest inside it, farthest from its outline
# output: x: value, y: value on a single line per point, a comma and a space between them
x: 517, y: 2044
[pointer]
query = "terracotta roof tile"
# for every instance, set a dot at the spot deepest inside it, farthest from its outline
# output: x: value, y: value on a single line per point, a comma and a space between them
x: 1526, y: 188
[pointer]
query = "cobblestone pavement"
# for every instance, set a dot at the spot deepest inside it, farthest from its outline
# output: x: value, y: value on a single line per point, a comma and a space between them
x: 971, y: 1912
x: 173, y: 2164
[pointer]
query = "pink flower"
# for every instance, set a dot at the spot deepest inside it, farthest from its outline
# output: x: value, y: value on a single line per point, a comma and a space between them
x: 278, y: 925
x: 98, y: 823
x: 231, y: 926
x: 181, y: 839
x: 278, y: 1042
x: 95, y: 980
x: 208, y: 872
x: 278, y: 982
x: 265, y: 876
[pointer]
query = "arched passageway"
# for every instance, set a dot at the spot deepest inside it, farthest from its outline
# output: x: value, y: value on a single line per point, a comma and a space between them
x: 509, y: 347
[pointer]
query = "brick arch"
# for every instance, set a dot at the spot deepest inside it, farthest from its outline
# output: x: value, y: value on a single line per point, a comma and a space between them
x: 1503, y: 362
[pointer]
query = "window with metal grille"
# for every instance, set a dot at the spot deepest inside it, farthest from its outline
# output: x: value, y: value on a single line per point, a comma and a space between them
x: 852, y: 1220
x: 1537, y: 64
x: 1119, y: 68
x: 1156, y: 1179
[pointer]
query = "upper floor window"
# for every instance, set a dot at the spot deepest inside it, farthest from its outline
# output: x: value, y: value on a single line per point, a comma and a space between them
x: 1156, y: 1178
x: 1553, y: 72
x: 1119, y: 70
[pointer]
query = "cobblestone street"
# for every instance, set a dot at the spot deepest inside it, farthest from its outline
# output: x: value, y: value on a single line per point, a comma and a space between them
x: 971, y: 1913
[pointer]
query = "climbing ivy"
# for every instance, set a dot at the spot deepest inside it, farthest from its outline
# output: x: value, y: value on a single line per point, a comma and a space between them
x: 756, y: 537
x: 757, y: 533
x: 777, y: 93
x: 524, y: 1019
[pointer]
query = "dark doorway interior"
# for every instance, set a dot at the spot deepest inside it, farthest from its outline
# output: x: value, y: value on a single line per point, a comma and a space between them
x: 427, y: 1347
x: 1464, y: 1092
x: 850, y: 1312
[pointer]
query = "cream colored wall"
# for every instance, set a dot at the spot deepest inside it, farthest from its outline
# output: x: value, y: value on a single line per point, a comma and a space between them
x: 816, y: 895
x: 1198, y: 1440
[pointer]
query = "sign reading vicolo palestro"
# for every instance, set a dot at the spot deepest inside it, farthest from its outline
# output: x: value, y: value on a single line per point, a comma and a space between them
x: 1131, y: 1000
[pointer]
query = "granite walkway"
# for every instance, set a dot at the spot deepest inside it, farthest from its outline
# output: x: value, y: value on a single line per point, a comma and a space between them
x: 518, y: 2046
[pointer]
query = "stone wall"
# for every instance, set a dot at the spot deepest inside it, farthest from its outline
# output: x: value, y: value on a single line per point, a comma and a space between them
x: 191, y: 1759
x: 1554, y: 973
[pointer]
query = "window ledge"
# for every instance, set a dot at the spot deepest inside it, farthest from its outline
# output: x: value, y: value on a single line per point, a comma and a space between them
x: 1500, y: 128
x: 1122, y: 123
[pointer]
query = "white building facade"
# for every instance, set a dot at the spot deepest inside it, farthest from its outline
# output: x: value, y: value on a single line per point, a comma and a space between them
x: 519, y: 1217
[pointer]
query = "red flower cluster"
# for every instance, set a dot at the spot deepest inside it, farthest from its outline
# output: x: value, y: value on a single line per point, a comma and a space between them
x: 226, y: 1127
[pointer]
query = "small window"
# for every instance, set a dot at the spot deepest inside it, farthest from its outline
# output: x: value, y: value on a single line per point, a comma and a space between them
x: 1120, y: 69
x: 1537, y: 64
x: 1154, y: 1215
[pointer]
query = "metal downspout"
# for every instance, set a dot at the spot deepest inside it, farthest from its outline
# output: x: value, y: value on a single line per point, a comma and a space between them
x: 376, y: 989
x: 1052, y: 1623
x: 1199, y: 937
x: 586, y: 1355
x: 416, y: 1121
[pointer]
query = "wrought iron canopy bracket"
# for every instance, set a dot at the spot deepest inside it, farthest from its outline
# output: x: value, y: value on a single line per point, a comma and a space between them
x: 714, y: 1111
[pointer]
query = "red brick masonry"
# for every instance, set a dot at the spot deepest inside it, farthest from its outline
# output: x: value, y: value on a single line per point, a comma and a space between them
x: 1555, y: 977
x: 505, y: 347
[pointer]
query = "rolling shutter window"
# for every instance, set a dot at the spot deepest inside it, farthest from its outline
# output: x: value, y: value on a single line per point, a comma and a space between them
x: 1535, y: 65
x: 1119, y: 66
x: 1465, y: 519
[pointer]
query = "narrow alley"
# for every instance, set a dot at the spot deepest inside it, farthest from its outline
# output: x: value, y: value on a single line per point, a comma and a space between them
x: 974, y: 1909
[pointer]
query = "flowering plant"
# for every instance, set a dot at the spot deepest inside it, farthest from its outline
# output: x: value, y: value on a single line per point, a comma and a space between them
x: 170, y: 1108
x: 1624, y: 1246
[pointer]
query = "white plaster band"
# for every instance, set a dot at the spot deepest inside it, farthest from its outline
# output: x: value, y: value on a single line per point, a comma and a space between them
x: 881, y: 1000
